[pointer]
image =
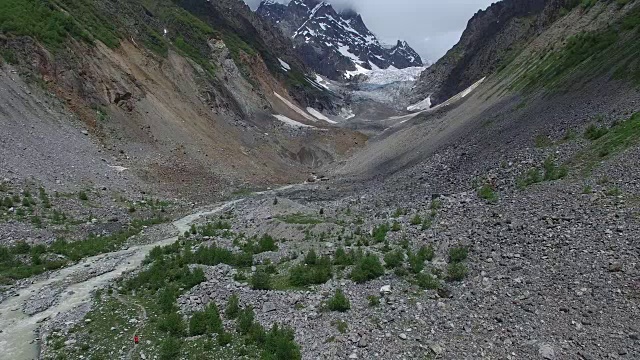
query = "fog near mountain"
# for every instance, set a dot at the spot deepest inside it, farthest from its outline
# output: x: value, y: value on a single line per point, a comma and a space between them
x: 431, y: 27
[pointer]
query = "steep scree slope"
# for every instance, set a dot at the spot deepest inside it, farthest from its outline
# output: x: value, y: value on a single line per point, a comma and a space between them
x: 177, y: 98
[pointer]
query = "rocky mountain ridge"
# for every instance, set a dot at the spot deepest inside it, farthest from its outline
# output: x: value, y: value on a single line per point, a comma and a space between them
x: 335, y: 44
x: 491, y: 37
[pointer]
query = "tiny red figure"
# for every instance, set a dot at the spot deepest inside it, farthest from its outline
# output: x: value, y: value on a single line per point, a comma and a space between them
x: 136, y: 339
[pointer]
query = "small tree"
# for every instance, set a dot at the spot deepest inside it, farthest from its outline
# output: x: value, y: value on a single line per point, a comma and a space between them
x: 214, y: 322
x: 245, y: 320
x: 427, y: 252
x: 458, y: 254
x: 456, y: 272
x: 233, y: 307
x: 416, y: 263
x: 393, y: 259
x: 368, y: 268
x: 339, y: 302
x: 198, y: 324
x: 261, y: 280
x: 280, y: 345
x: 311, y: 258
x: 170, y: 349
x: 427, y: 281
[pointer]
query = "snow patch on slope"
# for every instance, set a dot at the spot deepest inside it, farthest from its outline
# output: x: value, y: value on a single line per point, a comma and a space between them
x: 320, y: 115
x: 285, y: 66
x: 359, y: 71
x: 295, y: 108
x: 422, y: 105
x: 291, y: 122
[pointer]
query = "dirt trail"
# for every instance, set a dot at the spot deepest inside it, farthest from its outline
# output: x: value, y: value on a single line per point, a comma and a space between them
x: 18, y: 339
x: 142, y: 319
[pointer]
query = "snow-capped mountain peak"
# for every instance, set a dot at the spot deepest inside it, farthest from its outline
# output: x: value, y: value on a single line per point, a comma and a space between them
x: 335, y: 44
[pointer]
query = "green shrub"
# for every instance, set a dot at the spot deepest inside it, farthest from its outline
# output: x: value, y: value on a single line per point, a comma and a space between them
x: 172, y: 324
x: 280, y: 345
x: 416, y: 220
x: 170, y: 348
x: 342, y: 326
x: 427, y: 281
x: 399, y: 212
x: 396, y: 226
x: 380, y: 232
x: 83, y: 196
x: 305, y: 274
x: 456, y: 271
x: 543, y: 141
x: 233, y: 307
x: 198, y: 324
x: 266, y: 243
x: 393, y: 259
x: 487, y: 192
x: 212, y: 316
x: 427, y: 252
x: 261, y: 280
x: 552, y: 171
x: 458, y: 254
x: 368, y: 268
x: 342, y: 258
x: 416, y: 263
x: 21, y: 247
x: 245, y: 320
x: 373, y: 300
x: 311, y: 258
x: 339, y: 302
x: 532, y: 176
x: 594, y: 132
x: 224, y: 338
x: 426, y: 223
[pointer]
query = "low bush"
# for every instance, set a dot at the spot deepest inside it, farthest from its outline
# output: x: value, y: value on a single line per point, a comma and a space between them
x: 456, y: 272
x: 245, y: 320
x: 261, y: 280
x: 594, y: 132
x: 233, y: 307
x: 487, y: 192
x: 319, y: 272
x: 339, y: 302
x: 427, y: 281
x: 458, y: 254
x: 373, y: 300
x: 368, y: 268
x: 393, y: 259
x: 427, y: 252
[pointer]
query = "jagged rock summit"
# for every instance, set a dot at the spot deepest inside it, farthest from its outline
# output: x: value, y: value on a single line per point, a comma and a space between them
x: 335, y: 44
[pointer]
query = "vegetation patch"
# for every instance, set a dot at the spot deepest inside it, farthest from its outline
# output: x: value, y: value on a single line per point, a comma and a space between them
x: 618, y: 138
x: 52, y: 22
x: 550, y: 172
x: 300, y: 219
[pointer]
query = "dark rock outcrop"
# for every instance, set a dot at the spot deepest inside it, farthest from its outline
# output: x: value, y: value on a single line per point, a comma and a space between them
x: 490, y: 38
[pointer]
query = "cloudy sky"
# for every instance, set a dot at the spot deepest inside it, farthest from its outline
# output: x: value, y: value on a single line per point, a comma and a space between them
x: 430, y: 26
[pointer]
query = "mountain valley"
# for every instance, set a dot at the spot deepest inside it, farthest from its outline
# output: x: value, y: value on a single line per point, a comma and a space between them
x: 185, y: 180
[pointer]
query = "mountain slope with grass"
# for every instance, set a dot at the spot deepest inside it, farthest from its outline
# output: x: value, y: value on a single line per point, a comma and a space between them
x: 496, y: 36
x: 184, y: 91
